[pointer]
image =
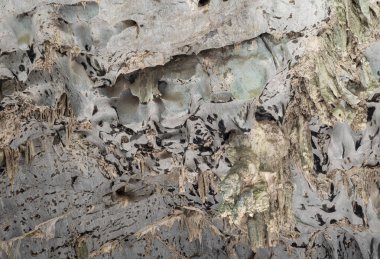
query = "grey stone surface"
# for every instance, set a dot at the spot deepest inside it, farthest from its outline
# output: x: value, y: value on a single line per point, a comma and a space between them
x: 189, y: 129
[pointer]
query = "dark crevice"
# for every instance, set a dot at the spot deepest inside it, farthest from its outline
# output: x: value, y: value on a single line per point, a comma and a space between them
x: 327, y: 209
x: 370, y: 112
x: 262, y: 115
x: 203, y: 3
x: 358, y: 210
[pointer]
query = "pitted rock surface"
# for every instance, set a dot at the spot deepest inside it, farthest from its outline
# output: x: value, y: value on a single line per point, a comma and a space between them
x: 189, y: 129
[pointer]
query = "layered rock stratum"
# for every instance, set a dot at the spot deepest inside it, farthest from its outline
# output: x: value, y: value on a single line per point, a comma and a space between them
x: 189, y: 129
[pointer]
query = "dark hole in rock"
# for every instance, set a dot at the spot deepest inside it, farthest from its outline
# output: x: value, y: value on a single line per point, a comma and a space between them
x: 320, y: 219
x: 326, y: 209
x: 31, y: 54
x: 203, y: 2
x: 358, y: 210
x: 132, y: 78
x: 261, y: 115
x: 162, y: 85
x: 332, y: 195
x: 317, y: 164
x: 95, y: 110
x: 122, y: 192
x: 357, y: 144
x: 84, y: 65
x: 370, y: 112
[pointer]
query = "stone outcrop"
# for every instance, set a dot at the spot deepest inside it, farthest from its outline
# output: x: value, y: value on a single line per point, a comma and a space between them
x: 189, y: 129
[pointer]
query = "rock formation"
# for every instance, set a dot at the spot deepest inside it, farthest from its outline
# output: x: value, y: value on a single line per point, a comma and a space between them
x: 189, y: 129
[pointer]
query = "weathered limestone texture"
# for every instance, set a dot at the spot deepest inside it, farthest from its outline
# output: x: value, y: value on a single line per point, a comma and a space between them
x: 189, y: 129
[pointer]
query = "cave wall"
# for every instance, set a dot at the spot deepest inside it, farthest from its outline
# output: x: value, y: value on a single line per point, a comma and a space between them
x: 189, y: 129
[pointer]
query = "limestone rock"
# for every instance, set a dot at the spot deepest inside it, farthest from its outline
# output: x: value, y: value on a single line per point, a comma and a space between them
x: 189, y: 129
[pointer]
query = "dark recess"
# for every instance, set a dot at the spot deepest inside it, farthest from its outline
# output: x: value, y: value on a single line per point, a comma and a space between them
x: 203, y: 2
x: 31, y: 54
x: 317, y: 164
x: 370, y: 112
x: 358, y: 210
x: 261, y: 115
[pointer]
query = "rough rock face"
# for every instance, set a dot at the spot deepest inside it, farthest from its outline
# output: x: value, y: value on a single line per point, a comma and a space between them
x: 200, y: 129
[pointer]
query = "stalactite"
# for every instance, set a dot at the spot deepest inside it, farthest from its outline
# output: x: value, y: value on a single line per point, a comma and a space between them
x: 12, y: 157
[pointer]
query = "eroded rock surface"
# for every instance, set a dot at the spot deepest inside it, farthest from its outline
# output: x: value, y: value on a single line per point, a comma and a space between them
x: 189, y: 129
